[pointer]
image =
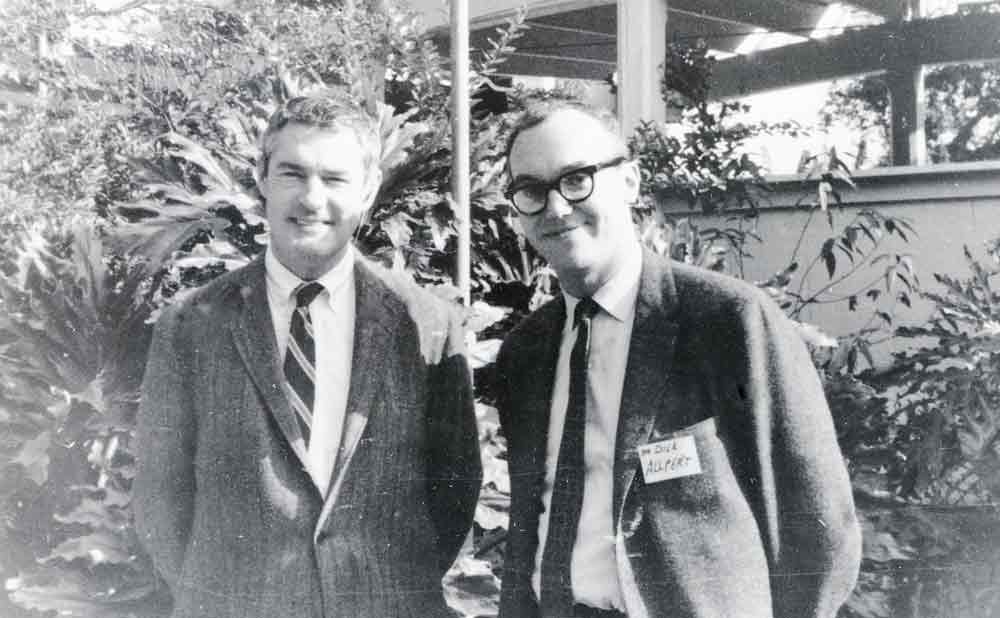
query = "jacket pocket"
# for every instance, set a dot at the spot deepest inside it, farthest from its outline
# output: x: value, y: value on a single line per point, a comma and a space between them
x: 705, y: 514
x: 702, y: 430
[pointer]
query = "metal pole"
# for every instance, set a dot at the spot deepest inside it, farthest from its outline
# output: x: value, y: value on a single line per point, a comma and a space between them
x: 460, y: 141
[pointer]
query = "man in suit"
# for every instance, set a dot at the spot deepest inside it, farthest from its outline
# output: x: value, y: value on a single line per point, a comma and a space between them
x: 307, y: 442
x: 671, y: 452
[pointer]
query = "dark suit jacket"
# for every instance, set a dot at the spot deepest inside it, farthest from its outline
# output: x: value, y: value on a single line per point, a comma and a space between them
x: 222, y: 500
x: 768, y: 528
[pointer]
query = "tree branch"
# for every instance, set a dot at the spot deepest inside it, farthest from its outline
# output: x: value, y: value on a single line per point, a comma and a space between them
x: 125, y: 8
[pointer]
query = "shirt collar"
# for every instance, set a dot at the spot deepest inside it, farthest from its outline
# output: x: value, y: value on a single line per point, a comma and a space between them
x: 617, y: 296
x: 285, y: 282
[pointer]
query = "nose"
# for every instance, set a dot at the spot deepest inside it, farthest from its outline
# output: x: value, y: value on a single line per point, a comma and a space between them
x: 557, y: 204
x: 313, y: 196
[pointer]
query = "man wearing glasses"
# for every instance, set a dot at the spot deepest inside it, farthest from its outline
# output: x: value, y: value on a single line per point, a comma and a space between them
x: 671, y: 452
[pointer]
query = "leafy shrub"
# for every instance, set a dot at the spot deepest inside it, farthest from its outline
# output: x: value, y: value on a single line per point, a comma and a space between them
x: 166, y: 155
x: 926, y: 459
x: 74, y: 339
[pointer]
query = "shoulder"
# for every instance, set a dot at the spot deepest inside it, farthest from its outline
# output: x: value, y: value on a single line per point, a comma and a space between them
x: 722, y: 315
x: 707, y: 295
x: 536, y: 327
x: 401, y: 293
x: 541, y: 321
x: 216, y: 300
x: 413, y: 314
x: 698, y: 285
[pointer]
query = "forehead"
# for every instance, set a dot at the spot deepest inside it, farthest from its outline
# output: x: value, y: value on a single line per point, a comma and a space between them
x: 308, y: 145
x: 565, y: 139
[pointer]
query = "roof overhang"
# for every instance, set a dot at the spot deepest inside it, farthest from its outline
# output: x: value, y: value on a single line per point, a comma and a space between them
x: 578, y: 38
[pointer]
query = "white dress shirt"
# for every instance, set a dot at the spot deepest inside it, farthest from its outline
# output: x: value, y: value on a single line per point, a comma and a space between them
x: 332, y: 315
x: 593, y: 565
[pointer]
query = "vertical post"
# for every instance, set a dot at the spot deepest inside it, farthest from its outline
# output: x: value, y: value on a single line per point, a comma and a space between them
x: 909, y: 111
x: 908, y: 101
x: 460, y: 141
x: 642, y: 49
x: 43, y: 53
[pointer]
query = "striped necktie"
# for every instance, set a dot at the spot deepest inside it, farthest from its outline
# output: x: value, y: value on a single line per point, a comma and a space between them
x: 567, y: 487
x: 300, y: 357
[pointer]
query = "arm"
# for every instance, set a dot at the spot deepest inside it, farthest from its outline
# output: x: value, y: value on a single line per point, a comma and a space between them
x: 516, y: 597
x: 814, y: 532
x: 453, y: 461
x: 163, y: 489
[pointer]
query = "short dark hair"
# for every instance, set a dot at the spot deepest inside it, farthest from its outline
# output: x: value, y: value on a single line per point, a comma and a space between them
x: 538, y: 113
x: 327, y: 109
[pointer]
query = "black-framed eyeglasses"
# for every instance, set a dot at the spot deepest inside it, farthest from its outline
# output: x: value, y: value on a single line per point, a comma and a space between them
x: 531, y: 198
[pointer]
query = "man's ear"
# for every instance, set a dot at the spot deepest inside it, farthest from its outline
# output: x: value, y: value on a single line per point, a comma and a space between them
x: 633, y: 179
x: 372, y: 185
x: 260, y: 177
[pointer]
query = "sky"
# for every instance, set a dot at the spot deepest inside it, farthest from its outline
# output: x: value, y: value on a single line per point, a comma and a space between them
x: 802, y: 104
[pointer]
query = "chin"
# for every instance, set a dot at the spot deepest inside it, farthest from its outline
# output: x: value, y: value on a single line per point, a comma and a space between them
x: 578, y: 254
x: 572, y: 266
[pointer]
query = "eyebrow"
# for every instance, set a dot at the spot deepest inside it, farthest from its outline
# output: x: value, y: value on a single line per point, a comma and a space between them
x: 285, y: 165
x: 295, y: 167
x: 520, y: 178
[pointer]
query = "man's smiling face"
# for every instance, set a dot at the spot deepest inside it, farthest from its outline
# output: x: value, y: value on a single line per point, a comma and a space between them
x: 316, y: 190
x: 583, y: 241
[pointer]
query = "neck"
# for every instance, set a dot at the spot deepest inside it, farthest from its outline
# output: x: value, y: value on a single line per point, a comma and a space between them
x: 311, y: 270
x: 584, y: 283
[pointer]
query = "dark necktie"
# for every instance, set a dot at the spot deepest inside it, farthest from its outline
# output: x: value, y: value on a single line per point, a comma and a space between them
x: 567, y: 488
x: 300, y: 357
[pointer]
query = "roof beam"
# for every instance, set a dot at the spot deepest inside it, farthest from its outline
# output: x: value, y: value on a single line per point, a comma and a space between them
x: 892, y: 10
x: 529, y: 63
x: 574, y: 39
x: 686, y: 28
x: 785, y: 15
x: 502, y: 10
x: 596, y: 19
x: 539, y: 39
x: 931, y: 41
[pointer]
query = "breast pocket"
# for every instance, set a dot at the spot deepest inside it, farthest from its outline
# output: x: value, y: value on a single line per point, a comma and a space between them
x: 688, y: 469
x: 684, y: 461
x: 707, y: 506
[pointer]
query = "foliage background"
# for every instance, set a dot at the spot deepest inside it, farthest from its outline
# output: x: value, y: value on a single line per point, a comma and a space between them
x: 131, y: 181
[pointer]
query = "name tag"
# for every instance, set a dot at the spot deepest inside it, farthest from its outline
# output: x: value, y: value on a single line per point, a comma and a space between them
x: 669, y: 459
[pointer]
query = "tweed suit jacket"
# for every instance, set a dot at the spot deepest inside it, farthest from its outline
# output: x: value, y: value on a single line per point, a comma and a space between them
x: 768, y: 528
x: 222, y: 500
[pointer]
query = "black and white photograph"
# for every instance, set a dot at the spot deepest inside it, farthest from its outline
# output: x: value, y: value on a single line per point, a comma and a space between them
x: 500, y: 308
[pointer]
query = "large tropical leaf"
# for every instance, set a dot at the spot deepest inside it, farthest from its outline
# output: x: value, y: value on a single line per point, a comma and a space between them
x: 214, y: 174
x: 471, y: 588
x: 156, y: 242
x: 410, y: 151
x: 72, y: 592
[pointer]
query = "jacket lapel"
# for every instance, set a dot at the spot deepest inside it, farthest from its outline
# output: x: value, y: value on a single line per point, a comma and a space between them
x: 647, y: 373
x: 253, y: 335
x: 539, y: 354
x: 374, y: 320
x: 534, y: 362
